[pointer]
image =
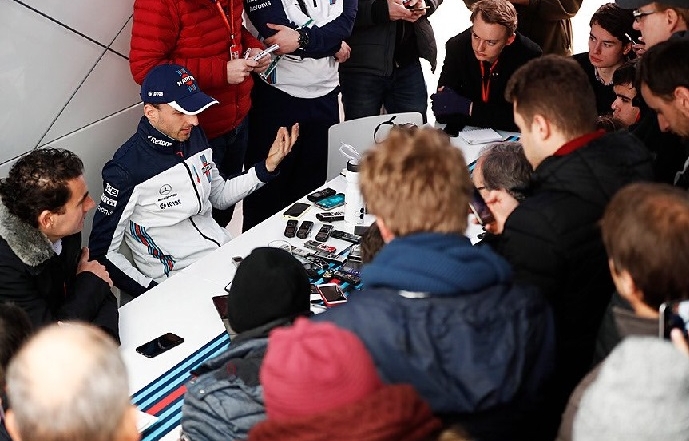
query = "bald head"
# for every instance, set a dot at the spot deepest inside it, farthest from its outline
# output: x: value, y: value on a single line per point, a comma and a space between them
x: 69, y: 382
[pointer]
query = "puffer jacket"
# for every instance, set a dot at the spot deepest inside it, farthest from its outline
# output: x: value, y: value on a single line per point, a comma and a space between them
x: 450, y: 322
x: 192, y: 33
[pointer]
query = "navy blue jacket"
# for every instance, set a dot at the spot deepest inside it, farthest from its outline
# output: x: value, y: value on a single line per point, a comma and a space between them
x: 445, y: 317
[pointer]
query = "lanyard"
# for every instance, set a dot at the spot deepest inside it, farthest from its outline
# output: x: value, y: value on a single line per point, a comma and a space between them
x: 485, y: 82
x: 228, y: 24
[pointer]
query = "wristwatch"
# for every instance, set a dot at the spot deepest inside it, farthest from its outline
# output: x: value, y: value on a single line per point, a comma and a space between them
x: 303, y: 38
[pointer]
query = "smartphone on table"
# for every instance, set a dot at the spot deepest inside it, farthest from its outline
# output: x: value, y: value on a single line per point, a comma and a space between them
x: 674, y: 315
x: 334, y: 201
x: 332, y: 294
x: 296, y: 210
x: 480, y: 208
x: 159, y: 345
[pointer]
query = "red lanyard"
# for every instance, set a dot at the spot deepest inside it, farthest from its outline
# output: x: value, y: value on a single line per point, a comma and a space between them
x: 485, y: 82
x: 228, y: 24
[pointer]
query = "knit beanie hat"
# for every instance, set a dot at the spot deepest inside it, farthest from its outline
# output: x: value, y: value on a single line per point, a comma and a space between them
x: 315, y: 367
x: 640, y: 394
x: 270, y: 284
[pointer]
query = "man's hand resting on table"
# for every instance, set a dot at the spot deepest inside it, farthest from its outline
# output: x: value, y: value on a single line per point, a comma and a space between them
x: 284, y: 141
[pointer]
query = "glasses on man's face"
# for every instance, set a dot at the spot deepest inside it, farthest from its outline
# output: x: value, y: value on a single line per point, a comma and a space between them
x: 382, y: 130
x: 638, y: 15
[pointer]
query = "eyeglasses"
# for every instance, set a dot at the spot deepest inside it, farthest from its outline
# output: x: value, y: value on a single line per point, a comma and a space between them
x: 382, y: 130
x: 638, y: 15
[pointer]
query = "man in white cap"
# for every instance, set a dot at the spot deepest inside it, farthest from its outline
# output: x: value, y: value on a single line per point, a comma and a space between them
x: 161, y: 185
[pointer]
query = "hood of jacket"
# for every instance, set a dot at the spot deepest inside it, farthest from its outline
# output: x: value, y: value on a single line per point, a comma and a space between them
x: 30, y: 245
x: 613, y: 160
x: 437, y: 264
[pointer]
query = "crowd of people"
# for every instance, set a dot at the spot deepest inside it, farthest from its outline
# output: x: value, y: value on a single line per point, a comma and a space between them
x: 549, y: 328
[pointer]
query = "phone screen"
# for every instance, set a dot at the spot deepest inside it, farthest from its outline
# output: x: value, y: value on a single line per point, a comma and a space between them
x: 159, y: 345
x: 296, y: 210
x: 332, y: 293
x: 480, y: 209
x: 336, y: 200
x: 673, y: 315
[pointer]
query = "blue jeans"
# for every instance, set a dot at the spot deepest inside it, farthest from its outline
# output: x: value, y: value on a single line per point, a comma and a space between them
x: 229, y: 150
x: 363, y: 94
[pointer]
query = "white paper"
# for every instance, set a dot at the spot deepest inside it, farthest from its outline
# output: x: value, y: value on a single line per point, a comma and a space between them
x: 480, y: 136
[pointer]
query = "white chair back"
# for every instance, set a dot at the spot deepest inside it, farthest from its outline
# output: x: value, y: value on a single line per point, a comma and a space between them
x: 359, y: 133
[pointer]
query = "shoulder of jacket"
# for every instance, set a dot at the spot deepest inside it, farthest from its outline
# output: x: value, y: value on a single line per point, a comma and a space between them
x: 30, y: 245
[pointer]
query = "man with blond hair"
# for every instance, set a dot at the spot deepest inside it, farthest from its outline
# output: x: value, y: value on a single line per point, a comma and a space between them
x: 449, y: 319
x: 69, y: 382
x: 479, y: 61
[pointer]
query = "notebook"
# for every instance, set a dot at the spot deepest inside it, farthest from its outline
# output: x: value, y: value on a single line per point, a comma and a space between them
x: 480, y: 136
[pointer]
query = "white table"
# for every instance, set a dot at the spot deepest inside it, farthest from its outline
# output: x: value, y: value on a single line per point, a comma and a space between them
x: 182, y: 305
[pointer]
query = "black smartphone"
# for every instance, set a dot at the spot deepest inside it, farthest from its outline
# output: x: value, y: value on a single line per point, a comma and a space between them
x: 159, y: 345
x: 673, y: 315
x: 220, y: 303
x: 336, y: 200
x: 296, y: 210
x: 480, y: 208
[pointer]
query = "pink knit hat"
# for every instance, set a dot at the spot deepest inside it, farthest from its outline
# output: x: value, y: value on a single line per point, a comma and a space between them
x: 311, y: 368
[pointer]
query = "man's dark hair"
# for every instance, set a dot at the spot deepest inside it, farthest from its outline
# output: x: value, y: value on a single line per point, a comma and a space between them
x: 609, y: 123
x: 38, y: 182
x: 645, y: 230
x: 557, y: 88
x: 664, y: 67
x: 626, y: 74
x: 15, y: 328
x: 617, y: 21
x: 504, y: 167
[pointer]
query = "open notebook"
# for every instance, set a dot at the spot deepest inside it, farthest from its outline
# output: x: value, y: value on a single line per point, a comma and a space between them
x: 479, y: 136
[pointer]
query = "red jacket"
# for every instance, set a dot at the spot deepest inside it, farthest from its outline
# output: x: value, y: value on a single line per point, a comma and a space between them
x: 194, y: 34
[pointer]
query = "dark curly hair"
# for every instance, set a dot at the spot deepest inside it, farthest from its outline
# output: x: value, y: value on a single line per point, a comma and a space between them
x: 38, y: 182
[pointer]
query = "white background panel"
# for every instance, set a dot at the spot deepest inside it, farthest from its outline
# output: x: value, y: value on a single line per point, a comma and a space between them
x: 121, y: 43
x: 44, y: 64
x: 108, y: 89
x: 96, y: 144
x: 98, y: 19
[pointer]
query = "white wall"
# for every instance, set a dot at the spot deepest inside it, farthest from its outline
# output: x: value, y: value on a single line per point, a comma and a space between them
x: 66, y: 80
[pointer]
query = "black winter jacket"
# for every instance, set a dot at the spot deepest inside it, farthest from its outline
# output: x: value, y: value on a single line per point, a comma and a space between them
x: 46, y: 285
x: 553, y: 241
x: 462, y: 73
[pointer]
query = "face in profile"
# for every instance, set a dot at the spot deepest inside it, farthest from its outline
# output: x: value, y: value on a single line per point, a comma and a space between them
x: 488, y: 40
x: 672, y: 116
x: 605, y: 50
x: 653, y: 24
x: 171, y: 122
x: 623, y: 108
x: 71, y: 220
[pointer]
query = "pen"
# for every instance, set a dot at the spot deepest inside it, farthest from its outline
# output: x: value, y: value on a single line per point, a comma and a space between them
x: 630, y: 38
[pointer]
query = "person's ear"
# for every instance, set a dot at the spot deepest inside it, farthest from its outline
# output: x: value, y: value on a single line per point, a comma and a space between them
x: 385, y: 232
x: 626, y: 48
x: 541, y: 127
x: 45, y: 220
x: 681, y: 95
x: 510, y: 39
x: 150, y: 112
x: 672, y: 18
x: 11, y: 425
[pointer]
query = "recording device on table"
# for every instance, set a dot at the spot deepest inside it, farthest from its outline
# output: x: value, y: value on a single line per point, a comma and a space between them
x: 159, y: 345
x: 321, y: 194
x: 220, y: 303
x: 480, y: 208
x: 674, y: 315
x: 324, y: 233
x: 334, y: 201
x: 304, y: 229
x: 332, y: 216
x: 236, y: 260
x: 291, y: 228
x: 343, y: 235
x: 296, y: 210
x: 332, y: 294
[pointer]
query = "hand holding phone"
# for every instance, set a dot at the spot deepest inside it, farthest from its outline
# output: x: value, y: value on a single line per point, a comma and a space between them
x: 673, y: 315
x: 480, y: 208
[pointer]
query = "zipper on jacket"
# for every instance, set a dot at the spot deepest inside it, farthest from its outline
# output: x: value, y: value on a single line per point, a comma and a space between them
x: 191, y: 178
x: 203, y: 235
